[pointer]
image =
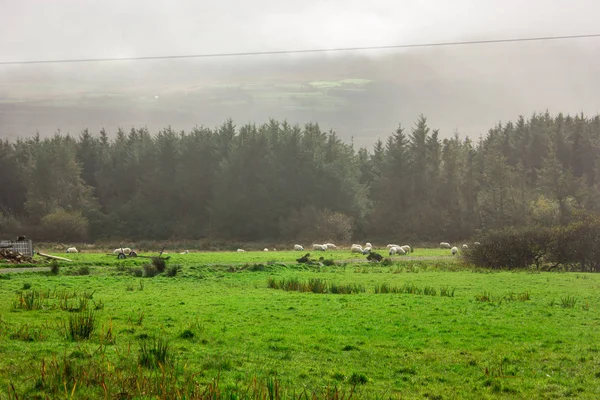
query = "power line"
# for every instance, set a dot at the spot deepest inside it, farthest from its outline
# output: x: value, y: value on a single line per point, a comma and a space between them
x: 326, y: 50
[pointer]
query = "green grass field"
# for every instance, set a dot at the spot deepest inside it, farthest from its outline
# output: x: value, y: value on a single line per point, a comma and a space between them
x: 493, y: 335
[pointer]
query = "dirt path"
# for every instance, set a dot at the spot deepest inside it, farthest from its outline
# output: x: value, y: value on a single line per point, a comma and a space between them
x: 23, y: 269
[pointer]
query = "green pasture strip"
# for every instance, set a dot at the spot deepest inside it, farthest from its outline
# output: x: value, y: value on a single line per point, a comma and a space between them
x: 489, y: 340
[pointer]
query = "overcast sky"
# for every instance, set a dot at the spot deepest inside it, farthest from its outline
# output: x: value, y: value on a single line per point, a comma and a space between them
x: 46, y: 29
x: 463, y: 88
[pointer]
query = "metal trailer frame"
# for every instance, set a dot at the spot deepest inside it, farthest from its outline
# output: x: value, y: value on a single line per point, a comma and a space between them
x: 24, y: 247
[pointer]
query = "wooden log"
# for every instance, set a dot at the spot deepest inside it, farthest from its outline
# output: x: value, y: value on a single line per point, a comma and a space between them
x: 53, y: 257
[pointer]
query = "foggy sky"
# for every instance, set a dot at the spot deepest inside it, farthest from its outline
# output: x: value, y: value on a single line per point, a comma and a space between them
x: 464, y: 88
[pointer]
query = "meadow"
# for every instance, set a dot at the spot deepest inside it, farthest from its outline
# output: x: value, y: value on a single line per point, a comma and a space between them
x: 259, y: 325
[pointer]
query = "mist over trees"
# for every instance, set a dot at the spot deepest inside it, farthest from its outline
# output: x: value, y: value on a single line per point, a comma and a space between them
x: 282, y: 182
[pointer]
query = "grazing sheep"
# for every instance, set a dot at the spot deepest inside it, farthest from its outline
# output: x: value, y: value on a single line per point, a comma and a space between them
x: 368, y: 245
x: 240, y: 250
x: 406, y: 248
x: 125, y: 250
x: 465, y: 247
x: 356, y: 249
x: 331, y: 246
x: 185, y: 252
x: 366, y: 250
x: 389, y: 246
x: 476, y: 243
x: 319, y: 247
x: 445, y: 245
x: 454, y: 250
x: 72, y: 250
x: 297, y: 247
x: 397, y: 250
x: 265, y: 249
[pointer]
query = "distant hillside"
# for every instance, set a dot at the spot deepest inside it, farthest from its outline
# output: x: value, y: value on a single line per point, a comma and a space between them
x: 467, y: 89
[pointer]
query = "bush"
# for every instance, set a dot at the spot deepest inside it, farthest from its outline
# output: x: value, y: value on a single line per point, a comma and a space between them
x: 150, y: 270
x: 63, y: 226
x: 84, y: 270
x: 173, y: 270
x: 159, y: 263
x: 309, y: 223
x: 54, y: 268
x: 577, y: 246
x: 511, y: 248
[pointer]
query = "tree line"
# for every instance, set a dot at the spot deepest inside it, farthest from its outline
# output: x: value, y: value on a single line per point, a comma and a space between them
x: 285, y: 182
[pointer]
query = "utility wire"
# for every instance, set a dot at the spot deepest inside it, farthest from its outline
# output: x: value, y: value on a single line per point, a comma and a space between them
x: 275, y: 52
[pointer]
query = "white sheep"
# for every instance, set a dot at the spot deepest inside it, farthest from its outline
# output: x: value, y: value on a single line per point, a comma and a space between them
x: 240, y: 250
x: 445, y: 245
x: 476, y: 243
x: 330, y: 246
x: 125, y: 250
x: 319, y: 247
x: 454, y: 250
x: 465, y: 247
x: 406, y: 248
x: 297, y: 247
x: 265, y: 249
x: 356, y: 249
x: 185, y: 252
x: 72, y: 250
x: 367, y: 250
x: 369, y: 245
x: 397, y: 250
x: 389, y: 246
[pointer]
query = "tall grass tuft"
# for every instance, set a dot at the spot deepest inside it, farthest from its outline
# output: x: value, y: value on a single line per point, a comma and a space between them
x: 82, y: 325
x: 314, y: 285
x: 568, y: 302
x: 27, y: 333
x: 154, y: 353
x: 484, y: 297
x: 29, y: 300
x: 446, y: 291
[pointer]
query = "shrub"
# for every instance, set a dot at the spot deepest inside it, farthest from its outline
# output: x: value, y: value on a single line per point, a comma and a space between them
x: 26, y: 286
x: 309, y: 223
x: 137, y: 272
x: 576, y: 246
x: 160, y: 264
x: 358, y: 379
x: 186, y: 334
x: 173, y: 270
x: 63, y: 226
x: 510, y: 248
x: 54, y: 268
x: 328, y: 263
x: 150, y: 270
x: 84, y: 270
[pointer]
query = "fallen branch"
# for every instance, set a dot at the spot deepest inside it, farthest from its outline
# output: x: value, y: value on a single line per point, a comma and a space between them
x: 53, y: 257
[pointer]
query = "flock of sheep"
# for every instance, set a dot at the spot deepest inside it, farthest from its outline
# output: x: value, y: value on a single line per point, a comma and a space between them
x: 393, y: 249
x: 357, y: 248
x: 454, y: 249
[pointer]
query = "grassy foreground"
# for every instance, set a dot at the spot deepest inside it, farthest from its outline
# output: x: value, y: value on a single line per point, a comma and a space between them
x: 235, y: 332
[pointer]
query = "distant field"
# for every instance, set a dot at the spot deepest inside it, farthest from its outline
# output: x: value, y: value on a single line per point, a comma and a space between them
x: 448, y: 332
x: 100, y: 258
